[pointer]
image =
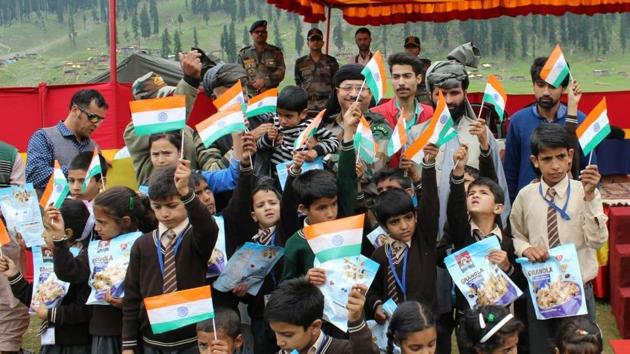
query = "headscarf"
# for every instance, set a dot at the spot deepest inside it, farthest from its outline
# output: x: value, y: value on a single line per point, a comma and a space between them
x: 222, y: 74
x: 452, y: 71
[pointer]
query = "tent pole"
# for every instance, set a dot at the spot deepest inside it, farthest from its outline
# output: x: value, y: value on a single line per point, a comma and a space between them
x: 328, y: 28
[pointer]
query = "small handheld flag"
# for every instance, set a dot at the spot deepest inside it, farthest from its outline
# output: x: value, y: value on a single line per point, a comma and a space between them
x: 375, y: 75
x: 56, y: 190
x: 179, y: 309
x: 495, y: 95
x: 227, y: 121
x: 234, y: 95
x: 263, y: 103
x: 158, y: 115
x: 364, y: 143
x: 4, y: 235
x: 309, y: 132
x: 336, y: 239
x: 594, y: 128
x: 398, y: 138
x: 555, y: 69
x: 94, y: 170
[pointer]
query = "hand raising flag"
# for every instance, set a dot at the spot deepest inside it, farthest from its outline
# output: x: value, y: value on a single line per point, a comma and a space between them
x: 555, y: 69
x: 336, y: 239
x: 375, y: 75
x: 495, y: 95
x: 94, y: 170
x: 399, y: 136
x: 227, y: 121
x: 309, y: 132
x: 364, y: 143
x: 56, y: 190
x: 158, y: 115
x: 594, y: 128
x: 179, y: 309
x: 234, y: 95
x: 264, y: 103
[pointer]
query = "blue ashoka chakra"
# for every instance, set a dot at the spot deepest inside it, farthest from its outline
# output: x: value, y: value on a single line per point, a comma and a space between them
x: 162, y: 117
x: 337, y: 240
x: 220, y: 124
x: 182, y: 311
x: 496, y: 96
x: 58, y: 188
x: 377, y: 77
x: 240, y: 99
x: 596, y: 127
x: 443, y: 118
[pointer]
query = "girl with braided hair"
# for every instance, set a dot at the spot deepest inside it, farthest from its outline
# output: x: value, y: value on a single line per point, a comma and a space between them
x: 412, y: 329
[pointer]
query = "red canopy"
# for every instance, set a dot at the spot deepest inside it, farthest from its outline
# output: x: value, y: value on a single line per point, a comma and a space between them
x: 384, y: 12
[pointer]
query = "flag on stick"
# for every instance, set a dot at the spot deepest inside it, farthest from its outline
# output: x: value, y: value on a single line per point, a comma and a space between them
x: 230, y: 97
x: 158, y: 115
x: 336, y: 239
x: 398, y: 138
x: 495, y: 95
x: 375, y: 75
x: 263, y: 103
x: 56, y: 190
x: 179, y: 309
x: 310, y: 131
x: 224, y: 122
x: 555, y: 69
x: 364, y: 143
x: 594, y: 128
x: 94, y: 170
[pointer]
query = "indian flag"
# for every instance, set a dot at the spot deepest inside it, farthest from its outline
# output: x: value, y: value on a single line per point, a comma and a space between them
x: 594, y: 128
x: 222, y: 123
x: 93, y: 170
x: 263, y: 103
x: 441, y: 125
x: 158, y: 115
x: 495, y: 95
x: 230, y: 97
x: 555, y: 69
x: 4, y: 235
x: 364, y: 141
x: 310, y: 131
x: 336, y: 239
x: 56, y: 190
x: 374, y: 73
x: 179, y: 309
x: 398, y: 138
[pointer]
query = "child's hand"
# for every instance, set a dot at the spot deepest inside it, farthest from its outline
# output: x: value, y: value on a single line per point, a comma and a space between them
x: 352, y: 117
x: 574, y: 94
x: 261, y: 130
x: 356, y: 302
x: 53, y: 221
x: 114, y: 301
x: 379, y: 315
x: 460, y: 158
x: 240, y: 290
x: 316, y: 276
x: 248, y: 149
x: 41, y: 311
x: 536, y: 254
x: 359, y: 169
x: 8, y: 267
x: 478, y: 128
x: 182, y: 177
x: 298, y: 160
x: 590, y: 179
x: 430, y: 152
x: 411, y: 168
x: 500, y: 258
x: 218, y: 347
x: 311, y: 155
x: 272, y: 133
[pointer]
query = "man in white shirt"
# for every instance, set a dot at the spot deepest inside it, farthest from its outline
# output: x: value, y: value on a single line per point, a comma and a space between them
x: 363, y: 39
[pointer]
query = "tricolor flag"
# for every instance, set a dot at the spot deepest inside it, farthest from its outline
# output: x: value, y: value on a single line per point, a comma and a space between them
x: 158, y: 115
x: 224, y: 122
x: 93, y: 170
x: 263, y: 103
x: 179, y: 309
x: 230, y: 97
x: 398, y: 138
x: 364, y: 143
x: 56, y: 190
x: 4, y: 235
x: 555, y: 69
x: 310, y: 131
x: 336, y: 239
x: 594, y: 128
x: 374, y: 73
x: 495, y: 95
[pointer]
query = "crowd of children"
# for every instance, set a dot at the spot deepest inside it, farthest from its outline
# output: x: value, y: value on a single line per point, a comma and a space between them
x: 176, y: 222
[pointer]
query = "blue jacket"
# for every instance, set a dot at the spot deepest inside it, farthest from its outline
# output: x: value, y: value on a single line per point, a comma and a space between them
x: 519, y: 171
x: 222, y: 180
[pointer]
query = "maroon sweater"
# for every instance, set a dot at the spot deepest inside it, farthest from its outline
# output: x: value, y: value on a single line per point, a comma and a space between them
x: 144, y: 279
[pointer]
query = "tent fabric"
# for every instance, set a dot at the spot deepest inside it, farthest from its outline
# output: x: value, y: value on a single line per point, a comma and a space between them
x: 138, y: 64
x: 383, y: 12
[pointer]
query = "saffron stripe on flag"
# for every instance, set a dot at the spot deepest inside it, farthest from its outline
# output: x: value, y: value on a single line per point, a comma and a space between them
x: 155, y: 104
x: 234, y: 93
x: 269, y: 93
x: 594, y: 115
x: 328, y: 227
x: 4, y: 234
x: 178, y: 297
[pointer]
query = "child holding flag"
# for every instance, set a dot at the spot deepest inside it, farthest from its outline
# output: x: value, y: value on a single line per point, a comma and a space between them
x: 229, y: 339
x: 573, y: 212
x: 170, y: 258
x: 77, y: 174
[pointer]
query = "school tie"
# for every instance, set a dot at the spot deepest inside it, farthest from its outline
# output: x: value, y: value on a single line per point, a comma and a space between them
x: 552, y: 220
x: 169, y: 275
x: 263, y: 236
x: 397, y: 249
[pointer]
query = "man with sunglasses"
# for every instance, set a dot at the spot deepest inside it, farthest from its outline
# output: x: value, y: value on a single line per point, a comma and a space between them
x: 263, y: 62
x: 314, y: 72
x: 65, y: 140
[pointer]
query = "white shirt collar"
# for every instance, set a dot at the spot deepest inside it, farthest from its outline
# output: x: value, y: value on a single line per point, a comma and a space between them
x: 495, y: 231
x: 177, y: 229
x: 560, y: 187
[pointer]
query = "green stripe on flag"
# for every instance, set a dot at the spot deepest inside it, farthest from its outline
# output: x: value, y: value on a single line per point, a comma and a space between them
x: 366, y: 156
x: 62, y: 196
x: 228, y: 129
x: 339, y: 252
x: 497, y: 107
x: 601, y: 135
x: 149, y: 129
x: 558, y: 82
x: 179, y: 323
x: 261, y: 110
x: 91, y: 173
x: 373, y: 86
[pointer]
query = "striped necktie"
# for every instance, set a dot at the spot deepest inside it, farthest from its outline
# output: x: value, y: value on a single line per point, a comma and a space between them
x: 169, y: 276
x: 263, y: 236
x: 552, y: 220
x: 397, y: 249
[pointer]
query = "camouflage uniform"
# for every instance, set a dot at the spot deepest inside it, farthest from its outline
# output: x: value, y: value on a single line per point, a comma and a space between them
x: 268, y: 65
x: 421, y: 94
x: 315, y: 77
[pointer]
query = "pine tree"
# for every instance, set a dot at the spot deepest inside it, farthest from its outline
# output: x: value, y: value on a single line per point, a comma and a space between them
x: 338, y: 35
x: 177, y: 44
x: 276, y: 34
x: 251, y: 6
x: 624, y: 31
x: 242, y: 10
x: 231, y: 43
x: 299, y: 38
x: 552, y: 34
x: 224, y: 39
x: 135, y: 24
x: 145, y: 26
x: 509, y: 34
x: 166, y: 44
x: 205, y: 10
x: 406, y: 30
x: 246, y: 37
x: 523, y: 32
x: 440, y: 31
x: 106, y: 34
x: 384, y: 39
x: 195, y: 38
x: 180, y: 20
x: 154, y: 15
x: 72, y: 33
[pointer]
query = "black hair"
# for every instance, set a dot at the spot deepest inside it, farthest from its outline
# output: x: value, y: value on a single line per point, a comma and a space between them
x: 469, y: 331
x: 363, y: 30
x: 409, y: 317
x: 405, y: 58
x: 392, y: 173
x: 549, y: 136
x: 391, y: 203
x: 579, y: 335
x: 225, y: 319
x: 472, y: 171
x: 494, y: 187
x: 83, y: 98
x: 537, y: 66
x: 265, y: 184
x: 292, y: 98
x: 174, y: 138
x: 313, y: 185
x: 82, y: 162
x: 162, y: 184
x: 121, y: 201
x: 75, y: 215
x: 297, y: 302
x: 196, y: 178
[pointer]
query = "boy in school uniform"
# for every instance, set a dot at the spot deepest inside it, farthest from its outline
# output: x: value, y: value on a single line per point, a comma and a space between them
x: 407, y: 263
x: 555, y: 211
x: 295, y: 312
x: 229, y: 339
x: 173, y: 257
x: 77, y: 170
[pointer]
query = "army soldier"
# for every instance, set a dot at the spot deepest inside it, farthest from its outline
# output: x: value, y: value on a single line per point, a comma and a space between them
x: 314, y: 72
x: 263, y: 62
x: 413, y: 47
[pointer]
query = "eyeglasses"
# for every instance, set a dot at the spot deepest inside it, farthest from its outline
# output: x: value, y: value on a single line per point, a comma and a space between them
x: 351, y: 88
x: 92, y: 117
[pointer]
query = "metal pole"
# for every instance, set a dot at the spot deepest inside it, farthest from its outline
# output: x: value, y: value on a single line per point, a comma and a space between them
x: 328, y: 28
x: 113, y: 72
